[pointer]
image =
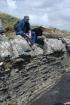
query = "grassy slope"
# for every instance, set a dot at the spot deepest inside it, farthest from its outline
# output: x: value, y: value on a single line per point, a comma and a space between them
x: 8, y: 20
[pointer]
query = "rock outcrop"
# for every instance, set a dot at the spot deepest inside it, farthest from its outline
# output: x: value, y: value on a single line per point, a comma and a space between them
x: 24, y: 73
x: 66, y: 41
x: 5, y: 50
x: 19, y: 46
x: 22, y: 79
x: 54, y: 45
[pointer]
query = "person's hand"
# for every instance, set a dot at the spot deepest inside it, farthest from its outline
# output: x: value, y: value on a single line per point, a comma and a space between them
x: 29, y: 36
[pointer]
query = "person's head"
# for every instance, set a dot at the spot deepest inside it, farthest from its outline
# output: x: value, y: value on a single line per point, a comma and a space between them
x: 26, y: 18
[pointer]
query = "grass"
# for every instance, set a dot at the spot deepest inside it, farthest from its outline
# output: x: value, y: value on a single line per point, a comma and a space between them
x: 8, y: 23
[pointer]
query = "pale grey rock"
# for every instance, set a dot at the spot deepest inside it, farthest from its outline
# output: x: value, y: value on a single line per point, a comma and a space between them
x: 13, y: 48
x: 20, y: 46
x: 53, y: 45
x: 5, y: 50
x: 1, y: 63
x: 66, y: 41
x: 38, y: 51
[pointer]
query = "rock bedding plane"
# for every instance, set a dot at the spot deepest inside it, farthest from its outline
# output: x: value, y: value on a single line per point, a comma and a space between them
x: 24, y: 72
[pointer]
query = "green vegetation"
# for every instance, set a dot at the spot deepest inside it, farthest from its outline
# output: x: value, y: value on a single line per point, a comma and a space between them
x: 8, y: 24
x: 8, y: 21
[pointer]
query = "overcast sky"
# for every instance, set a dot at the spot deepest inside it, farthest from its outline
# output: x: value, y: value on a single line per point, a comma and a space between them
x: 49, y: 13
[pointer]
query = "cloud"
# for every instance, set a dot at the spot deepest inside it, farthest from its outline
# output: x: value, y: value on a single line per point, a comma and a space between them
x: 11, y: 4
x: 42, y: 12
x: 39, y: 19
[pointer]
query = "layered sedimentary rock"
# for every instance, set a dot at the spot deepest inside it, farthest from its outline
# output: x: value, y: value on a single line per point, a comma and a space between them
x: 24, y: 75
x: 22, y: 79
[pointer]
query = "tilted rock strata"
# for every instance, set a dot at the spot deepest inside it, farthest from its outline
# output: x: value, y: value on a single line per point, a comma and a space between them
x: 21, y: 80
x: 22, y: 75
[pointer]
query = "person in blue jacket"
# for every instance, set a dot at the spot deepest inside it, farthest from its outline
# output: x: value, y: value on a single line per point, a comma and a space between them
x: 23, y: 28
x: 1, y: 26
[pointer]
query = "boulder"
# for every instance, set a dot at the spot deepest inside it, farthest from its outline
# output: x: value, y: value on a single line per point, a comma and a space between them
x: 53, y: 45
x: 66, y: 41
x: 5, y: 50
x: 20, y: 46
x: 13, y: 48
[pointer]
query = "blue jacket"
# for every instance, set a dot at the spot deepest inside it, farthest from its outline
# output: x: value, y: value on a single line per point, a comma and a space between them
x: 22, y: 26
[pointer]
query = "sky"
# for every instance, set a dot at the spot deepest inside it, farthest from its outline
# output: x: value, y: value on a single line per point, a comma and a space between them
x: 48, y: 13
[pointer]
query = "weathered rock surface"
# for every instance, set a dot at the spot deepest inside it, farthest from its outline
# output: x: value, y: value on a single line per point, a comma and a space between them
x: 22, y: 79
x: 66, y: 41
x: 54, y: 45
x: 13, y: 48
x: 38, y: 51
x: 24, y: 76
x: 5, y: 50
x: 19, y: 46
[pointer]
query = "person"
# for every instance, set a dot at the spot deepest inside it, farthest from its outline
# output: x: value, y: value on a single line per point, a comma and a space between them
x: 23, y: 28
x: 1, y: 26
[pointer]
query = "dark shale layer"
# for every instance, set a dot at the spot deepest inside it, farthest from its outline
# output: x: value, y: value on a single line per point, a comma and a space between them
x: 23, y: 79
